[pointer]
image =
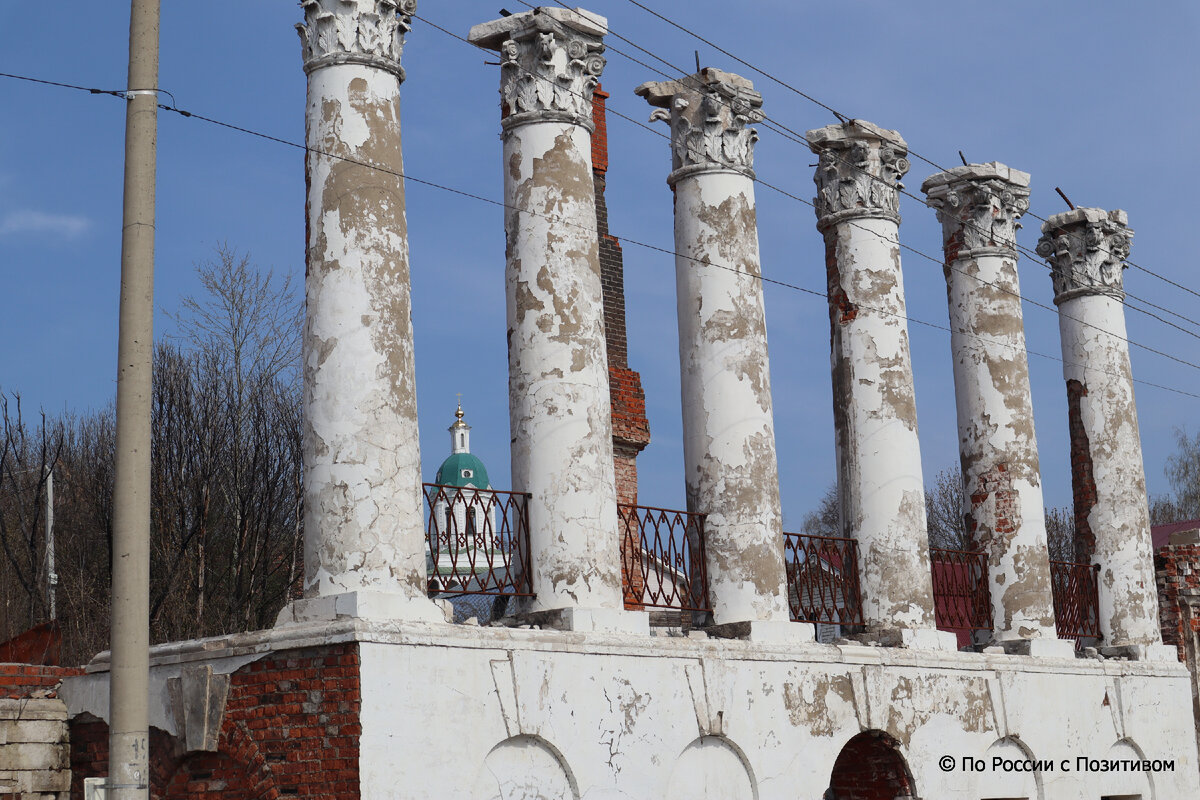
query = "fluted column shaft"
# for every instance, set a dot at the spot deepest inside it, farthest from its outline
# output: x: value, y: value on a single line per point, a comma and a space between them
x: 979, y: 206
x: 364, y: 527
x: 881, y: 496
x: 559, y: 407
x: 730, y: 464
x: 1085, y: 248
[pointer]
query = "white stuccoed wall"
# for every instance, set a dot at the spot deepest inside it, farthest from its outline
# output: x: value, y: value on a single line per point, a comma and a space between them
x: 460, y: 712
x: 730, y: 466
x: 979, y: 206
x: 1085, y: 248
x: 520, y: 715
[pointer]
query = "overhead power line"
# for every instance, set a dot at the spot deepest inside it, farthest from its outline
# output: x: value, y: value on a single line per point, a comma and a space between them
x: 645, y: 245
x: 933, y: 259
x: 843, y: 118
x: 796, y: 137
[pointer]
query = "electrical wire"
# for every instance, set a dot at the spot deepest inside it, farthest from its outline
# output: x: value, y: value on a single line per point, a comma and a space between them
x: 843, y: 118
x: 795, y: 137
x: 433, y: 184
x: 920, y: 253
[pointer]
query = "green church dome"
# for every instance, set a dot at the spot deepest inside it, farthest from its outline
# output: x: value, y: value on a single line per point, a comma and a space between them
x: 463, y: 469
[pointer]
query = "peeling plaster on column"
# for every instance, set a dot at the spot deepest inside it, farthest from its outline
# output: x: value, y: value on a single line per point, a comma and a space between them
x: 364, y: 527
x: 1085, y: 248
x: 979, y: 207
x: 559, y: 406
x: 730, y: 464
x: 881, y: 495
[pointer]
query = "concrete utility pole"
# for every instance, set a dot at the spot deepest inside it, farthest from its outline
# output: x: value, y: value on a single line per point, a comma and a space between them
x: 128, y: 756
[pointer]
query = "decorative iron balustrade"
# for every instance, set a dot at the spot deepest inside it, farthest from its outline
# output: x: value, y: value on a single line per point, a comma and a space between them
x: 962, y: 597
x: 477, y: 540
x: 822, y: 579
x: 1076, y: 600
x: 662, y: 558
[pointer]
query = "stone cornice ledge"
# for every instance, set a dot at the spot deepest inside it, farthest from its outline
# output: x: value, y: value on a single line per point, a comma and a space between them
x: 250, y: 646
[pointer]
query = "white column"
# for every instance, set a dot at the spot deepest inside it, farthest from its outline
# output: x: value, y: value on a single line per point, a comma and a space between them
x: 979, y: 207
x: 1085, y: 248
x: 730, y: 465
x: 881, y: 496
x: 559, y: 412
x: 363, y: 518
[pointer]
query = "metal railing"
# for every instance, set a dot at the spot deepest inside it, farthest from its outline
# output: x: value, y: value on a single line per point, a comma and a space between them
x: 822, y: 579
x: 477, y: 541
x: 662, y: 558
x: 962, y: 597
x: 1076, y: 600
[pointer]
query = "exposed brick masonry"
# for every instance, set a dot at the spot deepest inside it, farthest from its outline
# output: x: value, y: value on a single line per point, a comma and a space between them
x: 1083, y: 483
x: 291, y: 729
x: 631, y: 429
x: 24, y: 681
x: 1177, y: 573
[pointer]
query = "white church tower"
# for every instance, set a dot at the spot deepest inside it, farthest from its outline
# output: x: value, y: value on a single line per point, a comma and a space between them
x: 464, y: 515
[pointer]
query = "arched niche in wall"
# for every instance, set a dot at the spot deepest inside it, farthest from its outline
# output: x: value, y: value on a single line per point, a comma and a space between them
x: 711, y: 768
x: 1008, y: 783
x: 870, y: 767
x: 525, y: 768
x: 1121, y: 785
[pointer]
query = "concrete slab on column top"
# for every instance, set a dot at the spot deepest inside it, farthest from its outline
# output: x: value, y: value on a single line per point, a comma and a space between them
x: 851, y: 130
x: 993, y: 170
x: 1077, y: 215
x: 493, y: 34
x: 660, y: 93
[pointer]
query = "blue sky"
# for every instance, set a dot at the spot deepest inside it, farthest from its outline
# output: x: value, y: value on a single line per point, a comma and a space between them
x: 1095, y: 97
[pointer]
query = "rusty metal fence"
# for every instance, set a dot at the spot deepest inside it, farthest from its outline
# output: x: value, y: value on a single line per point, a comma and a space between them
x: 1076, y: 600
x: 477, y: 540
x: 662, y: 558
x: 962, y: 597
x: 822, y: 579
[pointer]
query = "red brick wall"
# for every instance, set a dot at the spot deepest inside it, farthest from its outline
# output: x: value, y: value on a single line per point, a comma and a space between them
x: 1177, y: 568
x: 869, y: 768
x: 291, y: 729
x: 631, y: 429
x: 21, y: 681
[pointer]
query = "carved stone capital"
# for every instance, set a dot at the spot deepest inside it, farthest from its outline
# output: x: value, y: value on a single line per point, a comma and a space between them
x: 710, y: 114
x: 859, y: 171
x: 979, y: 206
x: 1086, y: 248
x: 550, y: 61
x: 369, y: 32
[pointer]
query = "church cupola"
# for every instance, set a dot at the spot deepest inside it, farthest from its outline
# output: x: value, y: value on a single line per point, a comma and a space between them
x: 460, y: 433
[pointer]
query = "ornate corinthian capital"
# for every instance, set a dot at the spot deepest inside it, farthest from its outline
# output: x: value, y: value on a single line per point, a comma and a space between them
x: 550, y: 61
x: 979, y: 206
x: 367, y: 32
x: 710, y: 114
x: 1086, y: 248
x: 859, y: 171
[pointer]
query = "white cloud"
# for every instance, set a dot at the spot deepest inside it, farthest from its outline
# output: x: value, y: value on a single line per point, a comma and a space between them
x: 66, y: 226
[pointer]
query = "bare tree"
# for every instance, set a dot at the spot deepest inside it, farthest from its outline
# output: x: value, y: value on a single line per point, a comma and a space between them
x: 823, y: 521
x: 26, y: 458
x: 945, y: 504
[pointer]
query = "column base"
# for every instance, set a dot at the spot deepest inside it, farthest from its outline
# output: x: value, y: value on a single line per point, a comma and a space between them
x: 762, y: 630
x: 910, y: 638
x: 1142, y: 652
x: 380, y: 606
x: 1040, y: 648
x: 584, y: 620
